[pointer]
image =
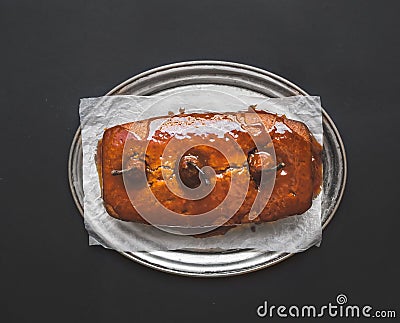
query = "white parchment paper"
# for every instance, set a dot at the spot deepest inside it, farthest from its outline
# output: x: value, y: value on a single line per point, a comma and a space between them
x: 292, y: 234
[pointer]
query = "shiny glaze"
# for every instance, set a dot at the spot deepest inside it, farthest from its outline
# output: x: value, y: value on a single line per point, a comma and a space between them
x: 295, y: 185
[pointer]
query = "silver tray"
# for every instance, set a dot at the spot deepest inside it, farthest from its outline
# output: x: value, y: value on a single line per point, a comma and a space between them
x: 235, y: 79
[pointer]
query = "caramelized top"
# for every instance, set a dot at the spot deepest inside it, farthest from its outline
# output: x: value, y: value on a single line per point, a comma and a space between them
x: 211, y: 140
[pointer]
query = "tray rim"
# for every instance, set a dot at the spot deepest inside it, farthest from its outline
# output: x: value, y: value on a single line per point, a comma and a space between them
x: 133, y: 256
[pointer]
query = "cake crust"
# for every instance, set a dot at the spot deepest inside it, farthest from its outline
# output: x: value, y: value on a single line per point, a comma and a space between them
x: 141, y: 144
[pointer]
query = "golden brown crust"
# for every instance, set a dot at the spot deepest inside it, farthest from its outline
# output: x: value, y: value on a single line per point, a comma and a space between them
x: 295, y: 184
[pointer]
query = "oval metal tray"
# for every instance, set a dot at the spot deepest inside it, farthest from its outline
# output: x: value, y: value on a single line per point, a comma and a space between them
x: 235, y: 79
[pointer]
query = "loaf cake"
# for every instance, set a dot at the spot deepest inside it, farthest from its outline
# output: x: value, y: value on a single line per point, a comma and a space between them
x: 128, y: 149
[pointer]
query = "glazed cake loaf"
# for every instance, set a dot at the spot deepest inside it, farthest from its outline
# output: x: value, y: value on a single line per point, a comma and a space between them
x: 140, y: 146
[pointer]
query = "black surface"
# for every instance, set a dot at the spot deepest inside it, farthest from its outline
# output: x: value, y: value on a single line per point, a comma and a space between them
x: 55, y: 52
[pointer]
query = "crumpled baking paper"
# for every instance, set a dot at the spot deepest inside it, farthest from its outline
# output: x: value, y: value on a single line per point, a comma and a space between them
x: 292, y: 234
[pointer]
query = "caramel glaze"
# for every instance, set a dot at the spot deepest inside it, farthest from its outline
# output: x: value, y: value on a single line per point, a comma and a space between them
x: 295, y: 184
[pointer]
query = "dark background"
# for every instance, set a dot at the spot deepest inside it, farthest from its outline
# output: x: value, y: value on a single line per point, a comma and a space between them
x: 54, y: 52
